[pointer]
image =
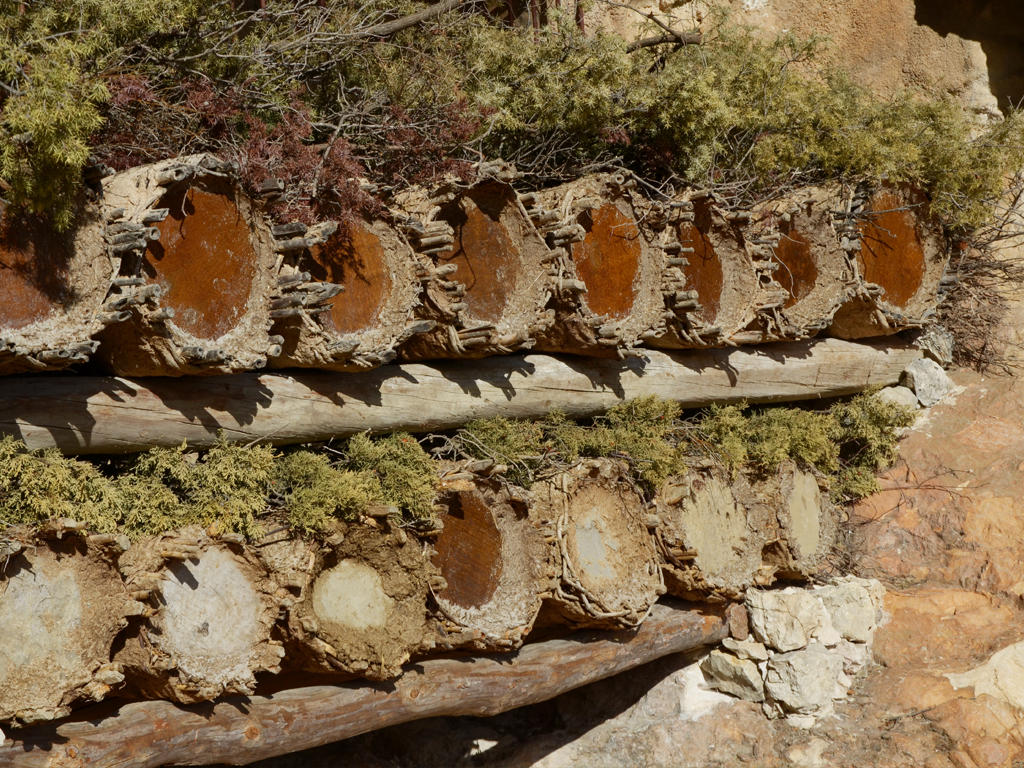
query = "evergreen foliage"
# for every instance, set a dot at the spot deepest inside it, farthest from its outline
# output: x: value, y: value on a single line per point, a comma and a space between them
x: 129, y: 83
x: 850, y: 442
x: 229, y: 488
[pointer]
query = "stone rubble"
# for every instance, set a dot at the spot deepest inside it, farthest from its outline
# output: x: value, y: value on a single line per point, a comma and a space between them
x: 810, y: 644
x: 746, y: 649
x: 928, y: 381
x: 733, y: 675
x: 899, y: 395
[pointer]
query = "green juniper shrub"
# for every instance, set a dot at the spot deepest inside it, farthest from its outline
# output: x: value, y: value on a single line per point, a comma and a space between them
x: 405, y: 472
x: 40, y: 486
x: 128, y: 83
x: 315, y: 492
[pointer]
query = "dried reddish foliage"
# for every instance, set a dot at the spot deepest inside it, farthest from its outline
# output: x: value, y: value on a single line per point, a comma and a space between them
x: 322, y: 177
x: 424, y: 146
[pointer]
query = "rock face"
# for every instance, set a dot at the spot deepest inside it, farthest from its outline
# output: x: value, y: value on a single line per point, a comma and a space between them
x: 889, y: 45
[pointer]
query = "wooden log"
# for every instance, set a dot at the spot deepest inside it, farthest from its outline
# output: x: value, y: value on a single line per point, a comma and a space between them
x: 348, y: 296
x: 806, y: 522
x: 711, y: 533
x: 609, y: 266
x: 207, y: 630
x: 608, y: 569
x: 62, y: 603
x: 52, y: 291
x: 112, y: 415
x: 809, y: 262
x: 238, y: 731
x: 497, y: 262
x: 496, y: 564
x: 365, y: 612
x: 723, y: 290
x: 900, y: 254
x: 198, y: 277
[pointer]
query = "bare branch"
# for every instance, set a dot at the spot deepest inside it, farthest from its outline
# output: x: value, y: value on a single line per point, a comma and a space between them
x: 389, y: 28
x: 677, y: 38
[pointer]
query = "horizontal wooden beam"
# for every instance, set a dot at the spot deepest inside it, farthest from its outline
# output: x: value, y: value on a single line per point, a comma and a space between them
x: 82, y: 414
x: 242, y: 730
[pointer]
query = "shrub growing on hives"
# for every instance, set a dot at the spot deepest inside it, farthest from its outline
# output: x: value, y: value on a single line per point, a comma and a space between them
x: 406, y: 475
x: 315, y: 492
x: 36, y: 487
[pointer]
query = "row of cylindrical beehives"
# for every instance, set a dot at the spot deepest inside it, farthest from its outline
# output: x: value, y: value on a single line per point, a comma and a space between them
x: 190, y: 616
x: 174, y: 271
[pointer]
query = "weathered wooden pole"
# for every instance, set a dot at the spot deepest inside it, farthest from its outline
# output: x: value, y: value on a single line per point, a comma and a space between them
x: 242, y: 730
x: 110, y: 415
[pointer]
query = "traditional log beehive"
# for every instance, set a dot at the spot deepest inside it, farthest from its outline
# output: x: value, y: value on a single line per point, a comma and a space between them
x: 195, y: 271
x: 207, y: 631
x: 53, y: 290
x: 181, y: 273
x: 496, y: 564
x: 724, y: 290
x: 349, y: 295
x: 900, y: 258
x: 63, y: 606
x: 608, y: 268
x: 178, y: 272
x: 497, y: 266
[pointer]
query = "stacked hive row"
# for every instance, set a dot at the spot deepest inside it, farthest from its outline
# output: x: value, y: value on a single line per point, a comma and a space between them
x: 190, y: 616
x: 175, y: 271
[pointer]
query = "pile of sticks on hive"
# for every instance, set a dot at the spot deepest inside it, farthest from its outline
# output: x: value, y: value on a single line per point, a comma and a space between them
x: 173, y: 270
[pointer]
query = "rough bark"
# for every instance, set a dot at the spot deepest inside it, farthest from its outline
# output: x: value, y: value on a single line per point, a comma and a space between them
x: 900, y: 258
x: 112, y: 415
x: 610, y: 264
x: 195, y: 275
x: 498, y: 267
x: 711, y: 533
x: 365, y: 612
x: 244, y: 730
x: 207, y: 631
x: 608, y: 568
x: 496, y: 565
x: 720, y: 289
x: 348, y: 296
x: 62, y: 603
x: 53, y: 289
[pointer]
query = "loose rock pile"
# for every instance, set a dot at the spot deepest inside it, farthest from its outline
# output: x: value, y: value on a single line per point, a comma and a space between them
x: 807, y: 646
